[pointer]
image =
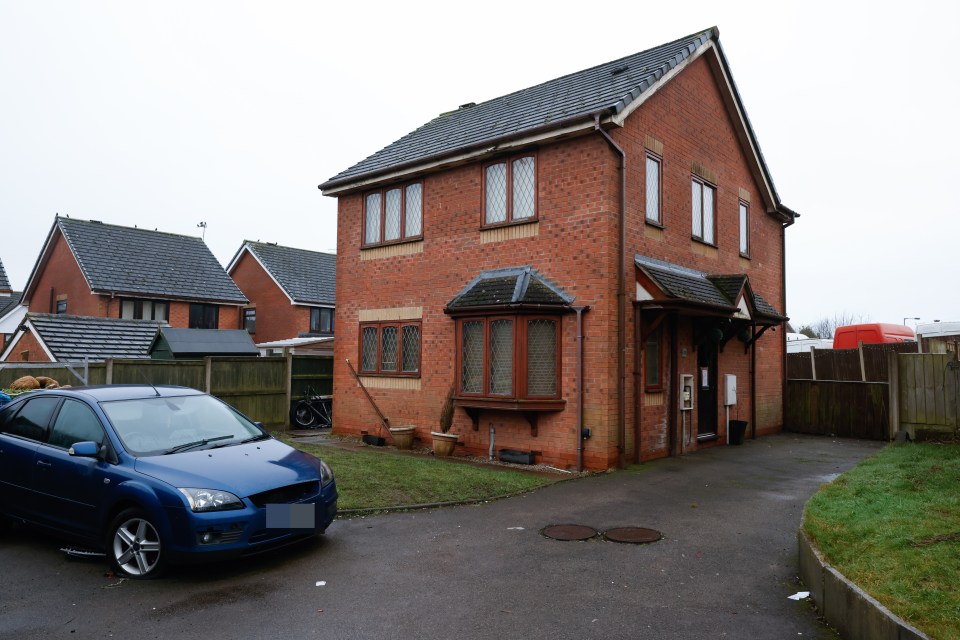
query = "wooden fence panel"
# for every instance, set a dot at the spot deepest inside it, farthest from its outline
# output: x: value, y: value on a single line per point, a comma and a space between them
x: 929, y: 393
x: 800, y: 366
x: 255, y: 386
x: 315, y: 372
x: 10, y: 371
x: 838, y: 408
x: 184, y: 373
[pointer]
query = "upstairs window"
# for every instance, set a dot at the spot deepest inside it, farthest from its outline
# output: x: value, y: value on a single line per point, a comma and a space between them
x: 204, y: 316
x: 61, y: 305
x: 135, y: 309
x: 390, y: 348
x: 321, y: 320
x: 653, y: 189
x: 744, y: 229
x: 394, y: 214
x: 249, y: 321
x: 510, y: 191
x: 703, y: 197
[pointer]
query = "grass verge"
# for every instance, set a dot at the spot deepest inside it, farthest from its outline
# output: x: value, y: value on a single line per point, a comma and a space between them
x: 892, y: 526
x: 378, y: 479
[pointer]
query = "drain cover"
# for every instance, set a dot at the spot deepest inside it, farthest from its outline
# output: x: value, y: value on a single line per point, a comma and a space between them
x: 569, y: 532
x: 632, y: 535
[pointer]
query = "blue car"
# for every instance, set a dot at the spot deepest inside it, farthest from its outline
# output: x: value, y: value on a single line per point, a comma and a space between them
x: 156, y: 475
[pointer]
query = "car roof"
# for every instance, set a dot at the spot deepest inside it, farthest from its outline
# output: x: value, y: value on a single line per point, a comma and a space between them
x: 110, y: 392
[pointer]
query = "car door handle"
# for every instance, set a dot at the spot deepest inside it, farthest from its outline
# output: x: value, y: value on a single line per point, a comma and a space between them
x: 43, y: 463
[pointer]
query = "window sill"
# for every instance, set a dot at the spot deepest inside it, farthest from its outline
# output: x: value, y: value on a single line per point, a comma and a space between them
x: 745, y: 256
x: 703, y: 242
x: 511, y: 223
x: 531, y: 409
x: 654, y: 223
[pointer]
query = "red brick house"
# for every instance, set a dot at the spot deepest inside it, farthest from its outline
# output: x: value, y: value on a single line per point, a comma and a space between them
x: 582, y: 262
x: 291, y: 291
x: 88, y: 268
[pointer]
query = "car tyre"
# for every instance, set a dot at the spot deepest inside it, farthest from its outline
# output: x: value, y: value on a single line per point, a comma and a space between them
x: 134, y: 546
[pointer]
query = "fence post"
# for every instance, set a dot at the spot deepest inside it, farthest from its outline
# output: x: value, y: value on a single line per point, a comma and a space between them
x: 208, y: 373
x: 863, y: 366
x: 893, y: 388
x: 813, y: 362
x: 289, y: 358
x: 108, y: 373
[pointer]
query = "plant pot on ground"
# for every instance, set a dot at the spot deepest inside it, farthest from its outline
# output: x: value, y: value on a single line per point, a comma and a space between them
x: 443, y: 441
x: 403, y: 436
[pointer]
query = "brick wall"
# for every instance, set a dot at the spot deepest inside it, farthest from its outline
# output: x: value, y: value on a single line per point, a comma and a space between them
x: 574, y: 245
x: 28, y: 349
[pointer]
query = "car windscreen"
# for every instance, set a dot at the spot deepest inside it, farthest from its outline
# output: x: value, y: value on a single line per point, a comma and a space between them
x: 168, y: 425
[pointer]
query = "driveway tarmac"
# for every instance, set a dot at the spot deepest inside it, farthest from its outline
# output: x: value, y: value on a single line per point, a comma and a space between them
x: 724, y: 568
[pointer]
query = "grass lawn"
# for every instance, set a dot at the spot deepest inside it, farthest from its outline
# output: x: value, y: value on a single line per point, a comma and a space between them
x: 378, y: 479
x: 892, y: 526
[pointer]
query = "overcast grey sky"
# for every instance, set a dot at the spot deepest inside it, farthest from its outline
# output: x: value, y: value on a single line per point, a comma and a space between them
x: 164, y: 115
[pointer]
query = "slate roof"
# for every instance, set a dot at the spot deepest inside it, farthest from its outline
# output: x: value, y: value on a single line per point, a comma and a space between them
x: 307, y: 277
x: 690, y: 285
x: 516, y: 286
x: 208, y: 342
x: 72, y: 338
x: 608, y: 88
x: 4, y: 282
x: 128, y: 260
x: 7, y: 303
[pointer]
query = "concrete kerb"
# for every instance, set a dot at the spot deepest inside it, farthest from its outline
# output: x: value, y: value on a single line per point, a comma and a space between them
x: 844, y: 605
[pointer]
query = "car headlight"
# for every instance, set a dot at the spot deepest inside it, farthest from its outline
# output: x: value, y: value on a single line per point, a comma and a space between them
x: 211, y: 500
x: 326, y: 474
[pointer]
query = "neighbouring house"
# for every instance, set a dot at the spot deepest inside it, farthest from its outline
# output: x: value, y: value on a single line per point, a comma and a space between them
x: 11, y: 312
x: 192, y: 344
x: 291, y: 291
x: 593, y: 267
x: 89, y: 268
x: 50, y: 337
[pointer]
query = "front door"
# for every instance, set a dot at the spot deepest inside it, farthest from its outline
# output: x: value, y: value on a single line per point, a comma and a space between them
x: 707, y: 390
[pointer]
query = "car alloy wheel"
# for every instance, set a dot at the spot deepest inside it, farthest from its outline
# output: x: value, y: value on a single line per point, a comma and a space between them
x: 134, y: 545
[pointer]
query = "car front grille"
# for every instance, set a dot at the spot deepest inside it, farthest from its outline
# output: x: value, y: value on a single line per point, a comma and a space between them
x: 286, y: 495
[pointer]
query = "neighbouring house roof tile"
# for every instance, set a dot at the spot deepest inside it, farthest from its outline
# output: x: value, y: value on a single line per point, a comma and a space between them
x: 4, y: 282
x: 517, y: 286
x: 134, y: 261
x: 207, y: 342
x: 9, y: 302
x: 73, y: 338
x: 691, y: 285
x: 307, y: 277
x: 607, y: 88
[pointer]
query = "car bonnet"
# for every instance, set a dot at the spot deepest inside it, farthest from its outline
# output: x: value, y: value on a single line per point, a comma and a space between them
x: 243, y: 469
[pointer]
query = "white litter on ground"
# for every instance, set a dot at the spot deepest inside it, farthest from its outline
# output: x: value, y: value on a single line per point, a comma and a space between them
x: 514, y: 528
x: 800, y: 595
x: 321, y: 583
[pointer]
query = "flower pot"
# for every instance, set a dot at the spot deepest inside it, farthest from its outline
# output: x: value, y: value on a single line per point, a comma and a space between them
x: 443, y: 443
x: 403, y: 436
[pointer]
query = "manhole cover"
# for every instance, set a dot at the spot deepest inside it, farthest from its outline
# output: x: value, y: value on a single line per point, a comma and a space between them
x: 632, y: 535
x: 569, y: 532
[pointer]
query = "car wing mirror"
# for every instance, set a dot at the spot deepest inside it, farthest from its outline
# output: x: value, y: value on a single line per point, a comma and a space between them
x: 85, y: 449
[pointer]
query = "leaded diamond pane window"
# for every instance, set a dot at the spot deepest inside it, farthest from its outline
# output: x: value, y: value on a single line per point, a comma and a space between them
x: 744, y: 230
x: 542, y: 358
x: 414, y: 210
x: 524, y: 188
x: 372, y: 219
x: 653, y: 189
x: 501, y: 357
x: 391, y: 219
x: 388, y: 349
x: 368, y: 349
x: 471, y: 374
x: 394, y: 214
x: 708, y: 193
x: 696, y: 198
x: 496, y: 193
x: 411, y: 349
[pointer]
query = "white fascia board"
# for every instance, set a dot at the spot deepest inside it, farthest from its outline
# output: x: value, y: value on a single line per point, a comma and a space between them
x: 12, y: 319
x: 461, y: 158
x: 642, y: 293
x: 13, y: 343
x: 742, y: 310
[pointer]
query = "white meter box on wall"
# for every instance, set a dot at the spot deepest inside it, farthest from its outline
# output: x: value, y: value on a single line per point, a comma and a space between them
x: 686, y: 392
x: 729, y: 389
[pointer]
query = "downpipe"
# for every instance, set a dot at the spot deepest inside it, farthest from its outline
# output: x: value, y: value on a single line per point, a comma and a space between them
x: 493, y: 439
